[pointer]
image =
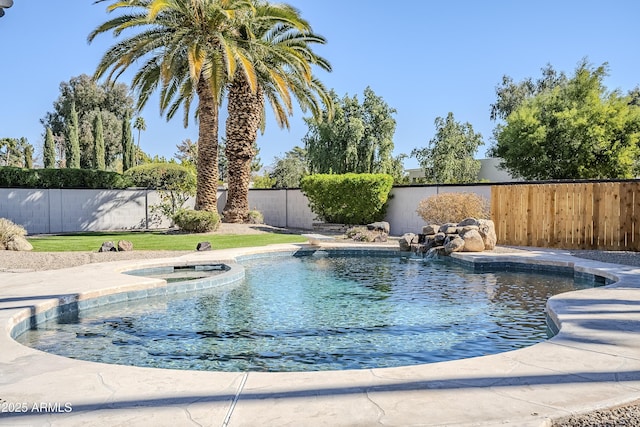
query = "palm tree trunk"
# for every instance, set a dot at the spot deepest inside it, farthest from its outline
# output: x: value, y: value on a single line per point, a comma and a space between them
x: 245, y: 113
x: 207, y: 166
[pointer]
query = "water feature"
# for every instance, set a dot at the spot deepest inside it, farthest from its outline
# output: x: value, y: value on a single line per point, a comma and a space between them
x: 320, y: 312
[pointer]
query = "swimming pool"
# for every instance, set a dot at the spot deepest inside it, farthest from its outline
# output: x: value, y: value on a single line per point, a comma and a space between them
x: 323, y: 311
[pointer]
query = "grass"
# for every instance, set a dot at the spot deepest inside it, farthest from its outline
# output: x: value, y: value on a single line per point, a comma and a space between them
x: 157, y: 241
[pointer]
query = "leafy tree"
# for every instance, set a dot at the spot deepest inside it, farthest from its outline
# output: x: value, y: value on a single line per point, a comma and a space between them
x: 511, y: 95
x: 279, y: 44
x: 128, y: 153
x: 358, y: 138
x: 72, y: 148
x: 10, y: 145
x: 98, y: 151
x: 187, y: 48
x: 289, y: 170
x: 111, y: 101
x: 578, y: 129
x: 449, y: 157
x: 174, y: 183
x: 49, y: 157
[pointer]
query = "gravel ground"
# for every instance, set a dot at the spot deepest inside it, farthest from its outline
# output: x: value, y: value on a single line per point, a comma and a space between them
x: 620, y: 416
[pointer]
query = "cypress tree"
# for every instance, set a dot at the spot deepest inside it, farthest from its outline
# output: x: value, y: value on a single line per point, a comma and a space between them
x: 98, y: 143
x: 73, y: 142
x: 28, y: 156
x: 49, y: 150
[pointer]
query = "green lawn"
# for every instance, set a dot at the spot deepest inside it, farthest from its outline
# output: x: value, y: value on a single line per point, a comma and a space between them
x: 155, y: 240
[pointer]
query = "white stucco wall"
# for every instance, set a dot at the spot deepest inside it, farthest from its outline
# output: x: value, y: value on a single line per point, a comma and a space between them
x: 63, y: 211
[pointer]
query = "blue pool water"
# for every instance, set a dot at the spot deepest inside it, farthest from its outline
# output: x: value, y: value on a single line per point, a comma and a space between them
x: 317, y: 312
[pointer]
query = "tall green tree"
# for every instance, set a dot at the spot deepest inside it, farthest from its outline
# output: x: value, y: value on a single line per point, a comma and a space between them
x: 28, y: 156
x: 279, y: 44
x: 98, y: 138
x: 289, y: 170
x: 72, y: 148
x: 111, y: 101
x: 187, y: 49
x: 49, y: 157
x: 449, y: 156
x: 127, y: 144
x: 357, y: 138
x: 578, y: 129
x: 510, y: 95
x: 140, y: 125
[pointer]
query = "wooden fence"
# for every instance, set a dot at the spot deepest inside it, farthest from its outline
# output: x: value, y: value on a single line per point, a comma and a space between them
x: 592, y: 215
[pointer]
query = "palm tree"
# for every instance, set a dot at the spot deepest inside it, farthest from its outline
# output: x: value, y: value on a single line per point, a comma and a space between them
x: 140, y: 125
x: 187, y: 48
x: 277, y: 41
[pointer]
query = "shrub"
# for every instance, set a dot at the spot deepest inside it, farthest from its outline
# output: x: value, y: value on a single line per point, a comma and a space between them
x: 348, y: 199
x: 453, y: 207
x: 9, y: 230
x: 193, y: 221
x: 255, y: 217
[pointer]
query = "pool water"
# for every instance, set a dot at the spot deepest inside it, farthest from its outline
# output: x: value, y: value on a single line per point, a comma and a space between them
x: 317, y: 312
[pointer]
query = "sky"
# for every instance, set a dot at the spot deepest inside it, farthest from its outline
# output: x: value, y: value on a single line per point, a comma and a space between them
x: 424, y: 58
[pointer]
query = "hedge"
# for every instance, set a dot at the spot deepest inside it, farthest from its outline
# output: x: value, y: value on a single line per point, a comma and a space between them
x: 348, y: 199
x: 14, y: 177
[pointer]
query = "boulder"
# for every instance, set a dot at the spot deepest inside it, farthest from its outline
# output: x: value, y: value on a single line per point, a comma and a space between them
x: 487, y: 230
x: 473, y: 241
x: 19, y: 243
x: 430, y: 229
x: 381, y: 226
x: 406, y: 240
x: 125, y: 246
x: 438, y: 238
x: 203, y: 246
x: 107, y: 247
x: 438, y: 250
x: 466, y: 228
x: 448, y: 228
x: 469, y: 221
x: 454, y: 245
x: 379, y: 238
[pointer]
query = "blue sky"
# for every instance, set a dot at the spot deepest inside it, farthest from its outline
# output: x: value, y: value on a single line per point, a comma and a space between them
x: 424, y: 58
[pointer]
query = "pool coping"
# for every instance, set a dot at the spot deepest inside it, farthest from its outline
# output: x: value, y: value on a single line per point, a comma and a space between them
x: 592, y: 363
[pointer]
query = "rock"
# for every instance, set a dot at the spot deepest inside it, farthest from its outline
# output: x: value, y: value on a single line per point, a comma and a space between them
x: 203, y: 246
x: 381, y: 226
x: 454, y: 245
x: 406, y: 240
x: 19, y: 243
x: 466, y: 228
x: 473, y: 241
x: 380, y: 238
x: 438, y: 238
x: 438, y: 250
x: 430, y: 229
x: 469, y: 221
x: 487, y: 230
x: 449, y: 228
x: 107, y: 247
x: 125, y: 246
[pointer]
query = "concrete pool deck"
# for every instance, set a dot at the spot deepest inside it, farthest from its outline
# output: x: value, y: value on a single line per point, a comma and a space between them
x: 593, y: 363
